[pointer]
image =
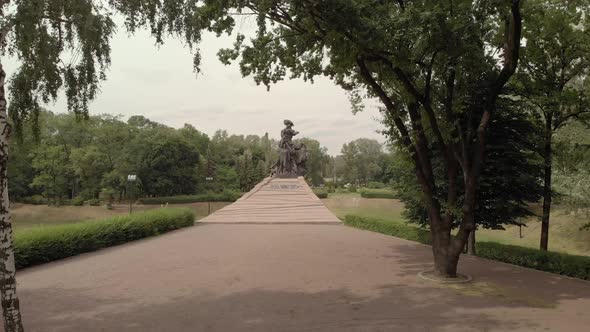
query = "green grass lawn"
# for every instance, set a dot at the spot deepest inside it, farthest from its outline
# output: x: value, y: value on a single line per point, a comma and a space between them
x: 565, y: 234
x: 353, y: 203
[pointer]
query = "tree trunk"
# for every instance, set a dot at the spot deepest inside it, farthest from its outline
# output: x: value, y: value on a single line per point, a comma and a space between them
x: 445, y: 261
x: 10, y: 302
x: 548, y: 156
x: 471, y: 243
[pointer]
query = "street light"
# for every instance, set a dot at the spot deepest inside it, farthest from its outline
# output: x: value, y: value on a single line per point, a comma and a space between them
x: 130, y: 178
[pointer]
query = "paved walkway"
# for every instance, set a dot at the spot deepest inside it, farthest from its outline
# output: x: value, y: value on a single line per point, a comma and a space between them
x: 289, y: 277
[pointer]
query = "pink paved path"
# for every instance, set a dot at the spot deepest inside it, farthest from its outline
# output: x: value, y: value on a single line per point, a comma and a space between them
x: 289, y: 277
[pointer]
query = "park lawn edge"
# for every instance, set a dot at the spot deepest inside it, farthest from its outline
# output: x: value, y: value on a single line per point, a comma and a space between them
x: 376, y: 193
x: 559, y: 263
x: 226, y: 196
x: 45, y: 244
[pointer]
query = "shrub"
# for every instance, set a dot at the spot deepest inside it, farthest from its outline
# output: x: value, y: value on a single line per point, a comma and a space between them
x: 376, y: 193
x: 48, y: 243
x: 226, y: 196
x: 564, y: 264
x: 320, y: 193
x: 352, y: 188
x: 77, y: 201
x: 93, y: 202
x: 34, y: 200
x: 376, y: 185
x: 330, y: 187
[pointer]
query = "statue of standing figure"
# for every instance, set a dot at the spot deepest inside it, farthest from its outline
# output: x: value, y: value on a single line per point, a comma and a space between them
x: 292, y: 156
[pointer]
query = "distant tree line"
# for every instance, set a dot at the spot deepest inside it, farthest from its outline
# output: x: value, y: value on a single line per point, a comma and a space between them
x: 70, y: 157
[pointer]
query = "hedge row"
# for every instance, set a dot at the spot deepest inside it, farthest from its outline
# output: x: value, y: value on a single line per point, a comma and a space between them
x: 40, y: 200
x: 389, y: 228
x: 48, y: 243
x: 376, y: 193
x: 226, y: 196
x: 564, y: 264
x: 321, y: 193
x: 554, y: 262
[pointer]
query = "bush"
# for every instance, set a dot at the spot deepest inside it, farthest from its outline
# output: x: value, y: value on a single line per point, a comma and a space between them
x: 564, y: 264
x: 376, y: 185
x: 93, y: 202
x: 330, y: 187
x: 34, y: 200
x: 376, y: 193
x: 77, y: 201
x: 320, y: 193
x: 48, y: 243
x: 226, y: 196
x: 352, y: 188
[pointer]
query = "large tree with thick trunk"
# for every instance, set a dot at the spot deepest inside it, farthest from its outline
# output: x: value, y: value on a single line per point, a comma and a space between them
x: 437, y: 68
x: 58, y: 45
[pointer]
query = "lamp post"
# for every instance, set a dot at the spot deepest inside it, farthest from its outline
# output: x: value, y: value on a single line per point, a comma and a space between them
x: 130, y: 178
x: 209, y: 177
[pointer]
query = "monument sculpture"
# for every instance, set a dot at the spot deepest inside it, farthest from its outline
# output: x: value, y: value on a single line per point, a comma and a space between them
x: 292, y: 156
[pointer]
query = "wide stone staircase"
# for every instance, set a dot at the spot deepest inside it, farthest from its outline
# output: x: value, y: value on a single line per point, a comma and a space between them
x: 276, y: 201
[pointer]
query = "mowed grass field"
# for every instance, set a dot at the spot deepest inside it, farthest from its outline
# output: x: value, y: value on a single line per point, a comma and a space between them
x: 565, y: 234
x: 25, y: 216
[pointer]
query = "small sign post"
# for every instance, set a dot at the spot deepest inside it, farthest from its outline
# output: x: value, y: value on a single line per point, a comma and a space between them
x: 130, y: 178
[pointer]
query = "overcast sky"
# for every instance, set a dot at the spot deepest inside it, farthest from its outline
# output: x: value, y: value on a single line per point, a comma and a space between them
x: 160, y: 84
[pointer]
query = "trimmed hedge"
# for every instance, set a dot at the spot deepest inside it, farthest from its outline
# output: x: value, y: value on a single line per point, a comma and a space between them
x: 49, y: 243
x: 376, y: 193
x: 564, y: 264
x: 226, y: 196
x: 320, y: 193
x: 407, y: 232
x: 554, y: 262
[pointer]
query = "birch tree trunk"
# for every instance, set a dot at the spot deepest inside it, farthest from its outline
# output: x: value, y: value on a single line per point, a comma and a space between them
x: 10, y: 302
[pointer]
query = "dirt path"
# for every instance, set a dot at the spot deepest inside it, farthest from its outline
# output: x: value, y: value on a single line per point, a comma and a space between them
x: 289, y: 277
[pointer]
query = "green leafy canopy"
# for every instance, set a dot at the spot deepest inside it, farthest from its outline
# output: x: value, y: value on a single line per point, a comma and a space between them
x: 58, y: 44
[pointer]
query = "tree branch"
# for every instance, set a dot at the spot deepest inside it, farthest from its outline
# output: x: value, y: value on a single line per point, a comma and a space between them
x: 559, y: 123
x: 511, y: 46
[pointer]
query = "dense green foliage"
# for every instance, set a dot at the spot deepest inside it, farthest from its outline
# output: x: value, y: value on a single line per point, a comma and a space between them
x: 362, y: 161
x: 84, y: 159
x: 45, y: 244
x: 225, y: 196
x: 553, y: 81
x: 41, y: 35
x: 321, y: 193
x: 511, y: 175
x: 564, y: 264
x: 376, y: 193
x: 571, y: 168
x: 317, y: 161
